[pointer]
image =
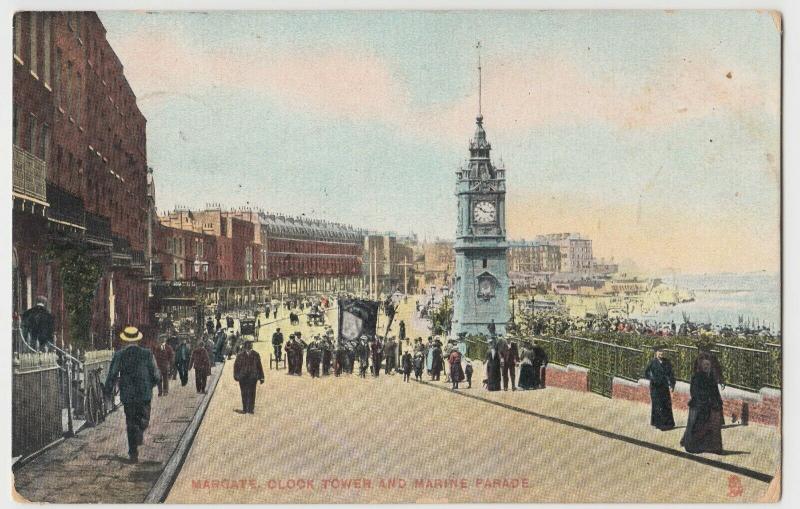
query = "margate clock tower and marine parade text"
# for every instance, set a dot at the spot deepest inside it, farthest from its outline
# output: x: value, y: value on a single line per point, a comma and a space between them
x: 481, y: 285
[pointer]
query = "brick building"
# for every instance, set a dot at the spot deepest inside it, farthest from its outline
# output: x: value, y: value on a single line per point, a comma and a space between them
x: 79, y: 168
x: 309, y: 255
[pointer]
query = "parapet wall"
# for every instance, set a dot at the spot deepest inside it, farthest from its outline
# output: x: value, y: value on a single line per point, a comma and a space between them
x: 763, y: 407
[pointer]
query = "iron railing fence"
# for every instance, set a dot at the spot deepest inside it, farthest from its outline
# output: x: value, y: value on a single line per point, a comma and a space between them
x: 36, y: 405
x: 776, y: 363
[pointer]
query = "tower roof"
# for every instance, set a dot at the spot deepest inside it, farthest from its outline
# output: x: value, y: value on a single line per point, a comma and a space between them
x: 479, y: 141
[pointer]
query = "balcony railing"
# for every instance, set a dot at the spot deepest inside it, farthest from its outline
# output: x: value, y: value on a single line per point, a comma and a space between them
x: 121, y: 254
x: 30, y: 176
x: 65, y: 208
x: 138, y: 258
x: 98, y: 229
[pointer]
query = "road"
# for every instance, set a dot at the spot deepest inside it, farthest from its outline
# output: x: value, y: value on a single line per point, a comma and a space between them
x: 358, y: 440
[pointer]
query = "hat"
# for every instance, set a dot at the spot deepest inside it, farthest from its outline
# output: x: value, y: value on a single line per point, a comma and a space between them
x: 130, y: 334
x: 41, y: 299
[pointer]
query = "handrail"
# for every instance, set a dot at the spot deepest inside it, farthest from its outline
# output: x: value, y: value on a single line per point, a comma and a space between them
x: 66, y: 354
x: 25, y: 342
x: 741, y: 348
x: 608, y: 344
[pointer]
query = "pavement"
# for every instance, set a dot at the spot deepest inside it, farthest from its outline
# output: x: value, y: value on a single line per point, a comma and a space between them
x: 379, y: 440
x: 92, y: 467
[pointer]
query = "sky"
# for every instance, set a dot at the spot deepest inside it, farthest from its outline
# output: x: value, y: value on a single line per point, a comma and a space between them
x: 656, y: 134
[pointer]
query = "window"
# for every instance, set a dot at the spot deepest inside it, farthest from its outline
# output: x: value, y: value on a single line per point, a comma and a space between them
x: 57, y: 77
x: 78, y: 109
x: 44, y: 141
x: 18, y: 35
x: 69, y: 87
x: 485, y: 263
x: 46, y: 42
x: 15, y: 124
x: 34, y: 61
x: 30, y: 145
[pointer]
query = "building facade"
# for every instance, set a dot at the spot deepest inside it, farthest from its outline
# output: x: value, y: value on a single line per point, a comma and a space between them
x: 439, y: 264
x: 80, y: 172
x: 575, y: 250
x: 481, y: 286
x: 388, y: 265
x: 309, y: 255
x: 533, y: 256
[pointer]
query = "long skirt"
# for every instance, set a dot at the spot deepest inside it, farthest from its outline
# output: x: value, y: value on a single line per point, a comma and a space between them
x: 703, y: 431
x: 661, y: 409
x: 456, y: 372
x: 493, y: 375
x: 527, y: 377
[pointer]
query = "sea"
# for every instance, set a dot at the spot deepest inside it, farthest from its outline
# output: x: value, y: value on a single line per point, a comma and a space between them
x: 722, y: 298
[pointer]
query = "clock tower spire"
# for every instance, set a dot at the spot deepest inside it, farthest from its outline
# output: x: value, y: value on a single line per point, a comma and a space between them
x: 480, y: 289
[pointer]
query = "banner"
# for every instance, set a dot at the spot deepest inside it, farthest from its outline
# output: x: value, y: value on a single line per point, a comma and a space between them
x: 357, y: 318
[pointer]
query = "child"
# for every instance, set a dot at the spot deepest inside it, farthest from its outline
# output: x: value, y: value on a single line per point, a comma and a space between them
x: 406, y: 363
x: 468, y: 373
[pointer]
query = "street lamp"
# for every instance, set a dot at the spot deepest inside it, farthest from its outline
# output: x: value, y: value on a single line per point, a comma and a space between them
x: 513, y: 291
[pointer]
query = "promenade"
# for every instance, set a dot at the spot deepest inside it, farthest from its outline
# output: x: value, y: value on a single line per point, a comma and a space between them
x: 356, y: 440
x: 92, y: 466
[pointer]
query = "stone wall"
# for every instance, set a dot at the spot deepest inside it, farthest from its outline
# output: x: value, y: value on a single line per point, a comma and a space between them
x: 570, y: 377
x: 763, y: 407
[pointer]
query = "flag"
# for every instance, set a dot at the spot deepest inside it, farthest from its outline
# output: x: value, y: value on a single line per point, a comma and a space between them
x: 357, y: 318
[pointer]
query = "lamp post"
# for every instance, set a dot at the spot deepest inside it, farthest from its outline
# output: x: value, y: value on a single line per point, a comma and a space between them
x: 446, y: 305
x: 513, y: 291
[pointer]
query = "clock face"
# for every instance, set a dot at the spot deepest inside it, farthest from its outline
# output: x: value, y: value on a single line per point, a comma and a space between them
x: 484, y: 212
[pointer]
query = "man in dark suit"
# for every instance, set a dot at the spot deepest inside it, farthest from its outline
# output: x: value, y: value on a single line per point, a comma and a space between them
x: 182, y: 354
x: 277, y: 343
x: 164, y: 356
x: 510, y: 357
x: 38, y: 324
x: 136, y: 369
x: 247, y: 370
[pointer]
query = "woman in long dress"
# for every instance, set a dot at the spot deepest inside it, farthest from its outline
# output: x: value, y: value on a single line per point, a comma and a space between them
x: 527, y: 377
x: 704, y: 427
x: 492, y: 362
x: 456, y: 371
x: 662, y: 380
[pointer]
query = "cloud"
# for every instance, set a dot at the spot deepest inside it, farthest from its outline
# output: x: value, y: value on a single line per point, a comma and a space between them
x: 520, y: 92
x: 651, y: 234
x: 566, y: 90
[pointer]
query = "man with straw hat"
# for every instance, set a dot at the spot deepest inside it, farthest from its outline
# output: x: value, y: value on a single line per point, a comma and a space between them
x: 136, y: 369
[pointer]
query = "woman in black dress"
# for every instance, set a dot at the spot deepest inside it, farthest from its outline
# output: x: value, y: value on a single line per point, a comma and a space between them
x: 527, y: 377
x: 492, y: 362
x: 704, y: 427
x: 662, y: 380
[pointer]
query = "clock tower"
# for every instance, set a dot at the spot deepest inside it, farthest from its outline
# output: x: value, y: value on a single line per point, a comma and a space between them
x: 480, y: 289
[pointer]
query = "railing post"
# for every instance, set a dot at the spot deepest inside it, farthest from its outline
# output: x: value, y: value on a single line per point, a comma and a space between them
x: 70, y: 429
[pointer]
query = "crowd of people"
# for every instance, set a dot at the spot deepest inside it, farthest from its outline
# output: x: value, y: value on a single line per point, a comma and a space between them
x: 557, y: 323
x: 510, y: 363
